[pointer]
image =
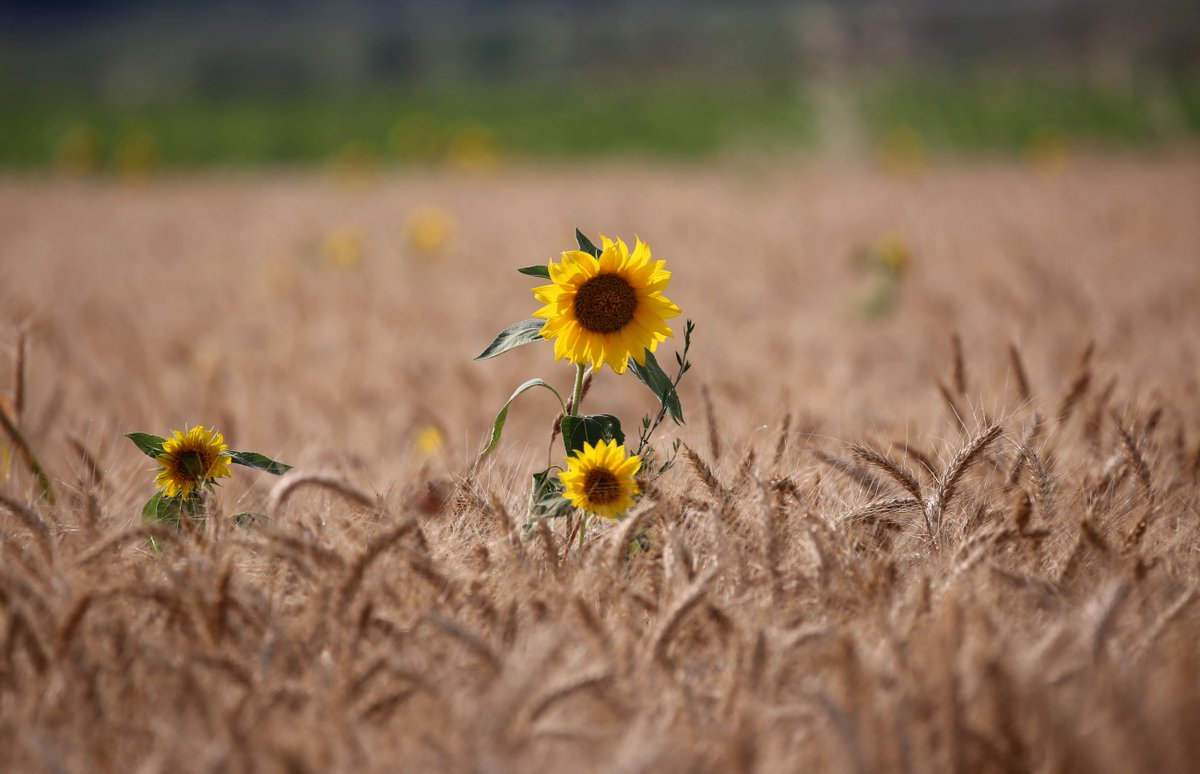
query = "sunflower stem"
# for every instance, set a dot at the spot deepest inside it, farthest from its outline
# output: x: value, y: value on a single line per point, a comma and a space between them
x: 577, y: 392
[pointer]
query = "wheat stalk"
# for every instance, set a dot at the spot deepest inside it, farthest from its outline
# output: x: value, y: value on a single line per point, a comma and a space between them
x: 294, y: 480
x: 959, y: 372
x: 373, y: 551
x: 781, y: 441
x: 691, y: 599
x: 710, y: 419
x: 32, y: 521
x: 947, y: 485
x: 1079, y: 385
x: 870, y: 484
x: 894, y: 470
x: 1019, y: 374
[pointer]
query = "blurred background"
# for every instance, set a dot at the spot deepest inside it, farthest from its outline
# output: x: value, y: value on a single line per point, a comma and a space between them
x: 131, y: 85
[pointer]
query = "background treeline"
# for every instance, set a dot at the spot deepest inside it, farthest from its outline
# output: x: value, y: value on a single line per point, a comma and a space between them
x: 299, y: 80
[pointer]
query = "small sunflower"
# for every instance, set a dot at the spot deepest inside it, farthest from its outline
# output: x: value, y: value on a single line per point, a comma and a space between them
x: 606, y: 309
x: 600, y: 479
x: 190, y: 460
x: 894, y: 254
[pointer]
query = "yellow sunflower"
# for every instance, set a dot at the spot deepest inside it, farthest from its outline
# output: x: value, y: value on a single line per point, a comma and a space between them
x: 600, y: 479
x: 605, y: 310
x: 189, y: 460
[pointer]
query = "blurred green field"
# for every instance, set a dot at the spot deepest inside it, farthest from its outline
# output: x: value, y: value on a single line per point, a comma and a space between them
x: 475, y: 124
x: 1006, y: 112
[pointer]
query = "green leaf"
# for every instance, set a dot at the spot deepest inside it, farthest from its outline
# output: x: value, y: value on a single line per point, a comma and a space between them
x: 514, y: 335
x: 258, y: 462
x: 164, y: 509
x: 502, y: 417
x: 590, y: 428
x: 151, y: 445
x: 640, y: 543
x: 652, y: 375
x: 586, y: 245
x: 538, y: 270
x: 545, y: 496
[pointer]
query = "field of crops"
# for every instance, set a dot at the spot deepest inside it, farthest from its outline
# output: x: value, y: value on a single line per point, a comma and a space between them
x: 937, y: 506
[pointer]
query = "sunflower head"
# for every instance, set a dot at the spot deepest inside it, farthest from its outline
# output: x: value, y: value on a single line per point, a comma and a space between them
x: 190, y: 460
x: 600, y: 479
x: 606, y: 309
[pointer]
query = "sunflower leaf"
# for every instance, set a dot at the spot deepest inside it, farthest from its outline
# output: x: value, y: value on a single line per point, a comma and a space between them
x: 502, y: 416
x: 545, y: 496
x: 537, y: 270
x: 151, y: 445
x: 586, y: 244
x: 514, y: 335
x: 258, y: 462
x: 164, y: 509
x: 590, y: 428
x: 652, y: 375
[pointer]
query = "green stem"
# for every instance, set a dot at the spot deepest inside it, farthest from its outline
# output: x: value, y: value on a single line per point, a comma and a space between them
x: 577, y: 393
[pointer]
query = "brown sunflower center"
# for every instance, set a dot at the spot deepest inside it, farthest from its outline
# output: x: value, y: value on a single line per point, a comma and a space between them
x: 605, y: 303
x: 601, y: 486
x: 194, y: 463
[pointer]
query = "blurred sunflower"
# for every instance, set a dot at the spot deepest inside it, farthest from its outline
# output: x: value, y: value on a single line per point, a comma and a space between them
x: 343, y: 248
x: 190, y: 460
x: 429, y: 440
x: 473, y: 148
x: 600, y: 479
x: 137, y: 156
x: 78, y: 150
x: 606, y: 309
x: 429, y: 230
x: 894, y: 254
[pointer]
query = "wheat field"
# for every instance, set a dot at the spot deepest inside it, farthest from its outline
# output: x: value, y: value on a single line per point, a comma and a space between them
x: 960, y: 536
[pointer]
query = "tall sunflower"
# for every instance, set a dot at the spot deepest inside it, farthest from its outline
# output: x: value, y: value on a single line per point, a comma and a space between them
x: 600, y: 479
x: 606, y: 309
x: 190, y: 460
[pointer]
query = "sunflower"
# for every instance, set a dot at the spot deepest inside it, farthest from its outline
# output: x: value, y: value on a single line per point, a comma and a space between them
x: 190, y: 460
x: 600, y: 479
x: 607, y: 309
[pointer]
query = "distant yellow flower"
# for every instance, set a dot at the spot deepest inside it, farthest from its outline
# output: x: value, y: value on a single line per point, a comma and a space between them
x: 429, y: 229
x: 608, y: 309
x: 600, y: 479
x: 190, y: 460
x: 473, y: 148
x: 354, y: 162
x: 137, y: 156
x: 343, y: 248
x: 1046, y: 150
x: 429, y: 440
x: 78, y: 150
x: 901, y: 151
x: 894, y: 254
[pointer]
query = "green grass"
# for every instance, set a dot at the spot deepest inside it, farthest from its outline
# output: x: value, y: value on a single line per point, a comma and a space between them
x: 977, y: 112
x: 412, y: 125
x: 961, y: 113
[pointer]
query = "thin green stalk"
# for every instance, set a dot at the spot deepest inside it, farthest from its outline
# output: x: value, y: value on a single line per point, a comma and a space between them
x: 577, y: 393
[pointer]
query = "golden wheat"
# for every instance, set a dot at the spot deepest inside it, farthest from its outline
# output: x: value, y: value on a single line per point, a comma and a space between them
x: 849, y: 569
